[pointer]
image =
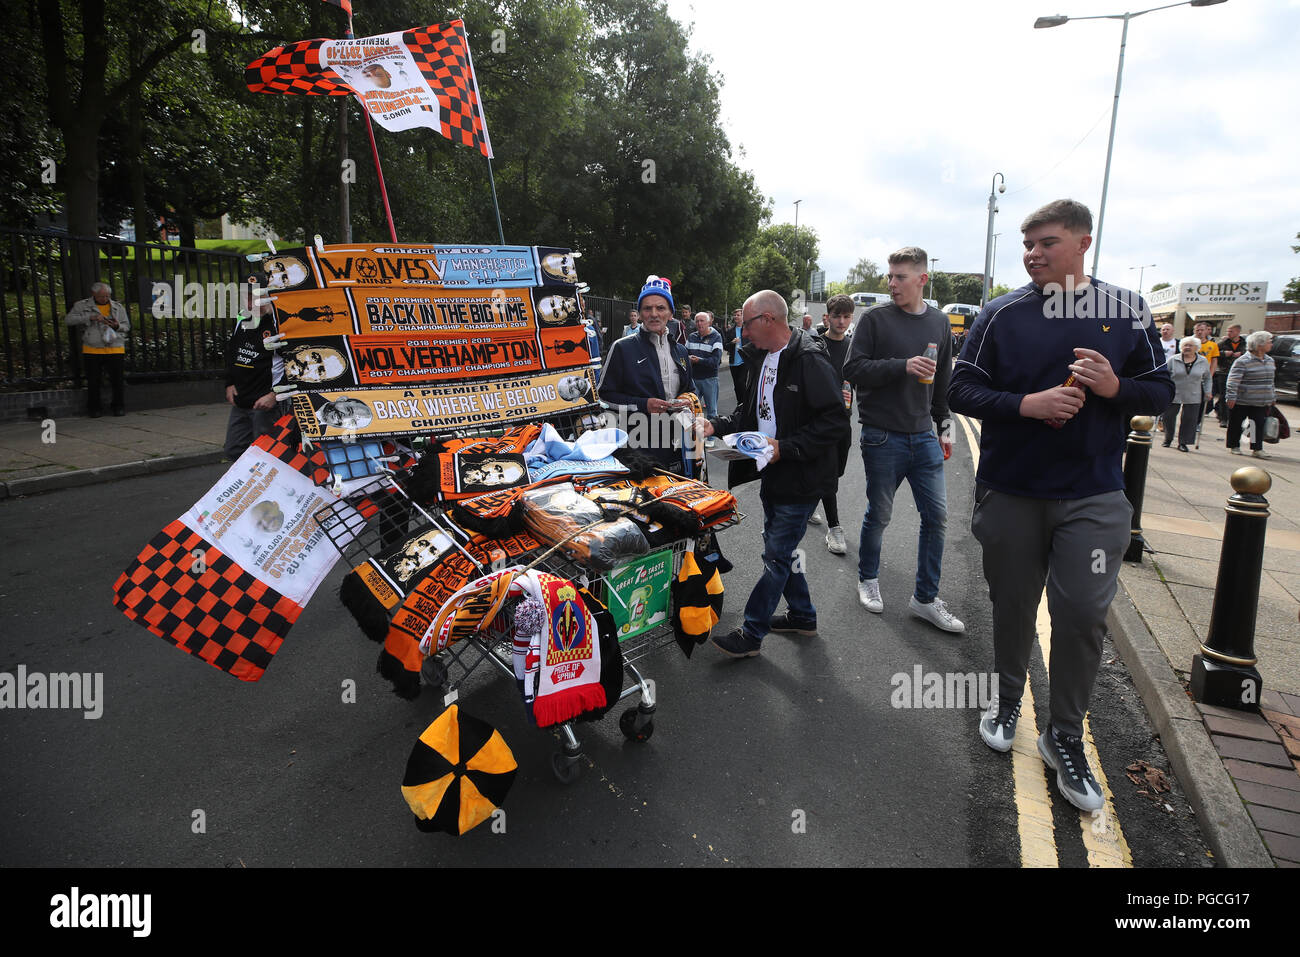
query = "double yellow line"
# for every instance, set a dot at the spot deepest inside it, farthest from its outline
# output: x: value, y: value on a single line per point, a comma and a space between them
x: 1103, y: 838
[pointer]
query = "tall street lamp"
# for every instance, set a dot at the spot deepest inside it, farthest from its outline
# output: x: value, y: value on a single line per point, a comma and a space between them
x: 988, y: 239
x: 994, y: 268
x: 1141, y: 272
x: 932, y: 262
x: 1043, y: 23
x: 796, y: 239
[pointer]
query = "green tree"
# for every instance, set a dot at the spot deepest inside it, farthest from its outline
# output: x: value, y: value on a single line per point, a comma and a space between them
x: 1291, y: 292
x: 764, y: 267
x: 998, y: 290
x: 1158, y: 286
x: 866, y: 277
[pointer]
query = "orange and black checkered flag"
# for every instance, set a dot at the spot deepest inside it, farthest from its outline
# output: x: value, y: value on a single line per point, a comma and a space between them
x: 188, y: 591
x: 442, y: 94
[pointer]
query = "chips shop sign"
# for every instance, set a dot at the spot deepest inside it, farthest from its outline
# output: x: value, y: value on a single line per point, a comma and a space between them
x: 1208, y: 293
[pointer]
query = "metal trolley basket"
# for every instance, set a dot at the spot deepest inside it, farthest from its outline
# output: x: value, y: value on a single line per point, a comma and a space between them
x: 380, y: 513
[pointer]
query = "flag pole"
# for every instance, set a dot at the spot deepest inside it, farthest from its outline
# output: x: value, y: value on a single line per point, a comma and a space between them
x: 495, y: 206
x: 383, y: 190
x: 487, y: 140
x: 374, y: 151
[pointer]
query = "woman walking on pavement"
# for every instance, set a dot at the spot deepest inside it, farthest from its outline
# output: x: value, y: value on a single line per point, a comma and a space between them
x: 1249, y: 393
x: 1192, y: 382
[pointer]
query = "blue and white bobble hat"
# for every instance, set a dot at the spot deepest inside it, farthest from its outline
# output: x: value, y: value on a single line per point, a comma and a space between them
x: 655, y: 286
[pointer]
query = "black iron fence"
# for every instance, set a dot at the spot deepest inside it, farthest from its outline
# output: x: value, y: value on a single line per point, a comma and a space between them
x: 178, y: 333
x: 180, y: 303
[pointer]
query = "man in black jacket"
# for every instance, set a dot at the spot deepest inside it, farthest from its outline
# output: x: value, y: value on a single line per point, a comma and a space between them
x: 794, y: 399
x: 251, y: 371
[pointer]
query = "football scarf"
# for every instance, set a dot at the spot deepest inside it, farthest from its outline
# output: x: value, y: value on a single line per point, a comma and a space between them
x: 697, y: 601
x: 400, y: 659
x: 690, y: 506
x: 562, y: 666
x: 405, y: 80
x: 468, y: 611
x: 495, y: 514
x: 226, y: 581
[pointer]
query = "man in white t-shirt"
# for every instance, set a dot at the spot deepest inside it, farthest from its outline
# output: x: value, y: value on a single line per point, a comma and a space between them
x: 794, y: 399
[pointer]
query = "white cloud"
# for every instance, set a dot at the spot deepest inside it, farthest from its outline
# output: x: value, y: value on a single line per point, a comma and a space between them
x: 889, y: 121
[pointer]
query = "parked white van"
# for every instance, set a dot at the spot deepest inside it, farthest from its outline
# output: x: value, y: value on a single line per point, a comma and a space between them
x: 870, y: 299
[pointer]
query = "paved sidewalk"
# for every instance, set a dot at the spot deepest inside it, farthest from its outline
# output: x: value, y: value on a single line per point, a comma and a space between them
x: 40, y: 456
x: 1243, y: 768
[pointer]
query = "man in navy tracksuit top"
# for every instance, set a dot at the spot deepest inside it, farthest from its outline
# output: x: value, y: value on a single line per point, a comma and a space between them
x: 1049, y: 494
x: 645, y: 373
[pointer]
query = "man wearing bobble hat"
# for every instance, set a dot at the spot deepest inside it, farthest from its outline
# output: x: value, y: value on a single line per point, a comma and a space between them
x: 644, y: 373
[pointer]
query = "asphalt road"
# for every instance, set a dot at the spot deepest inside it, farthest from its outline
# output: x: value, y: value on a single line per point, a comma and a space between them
x: 794, y: 758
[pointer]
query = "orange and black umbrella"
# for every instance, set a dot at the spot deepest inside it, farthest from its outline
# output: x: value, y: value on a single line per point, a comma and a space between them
x: 458, y: 773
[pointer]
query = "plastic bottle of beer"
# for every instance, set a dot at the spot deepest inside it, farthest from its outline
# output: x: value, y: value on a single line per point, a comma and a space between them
x: 932, y: 353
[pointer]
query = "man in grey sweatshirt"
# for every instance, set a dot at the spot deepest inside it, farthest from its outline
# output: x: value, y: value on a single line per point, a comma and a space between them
x: 901, y: 391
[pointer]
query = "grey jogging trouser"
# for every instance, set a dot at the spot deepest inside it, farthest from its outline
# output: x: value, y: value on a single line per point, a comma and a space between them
x: 1074, y: 546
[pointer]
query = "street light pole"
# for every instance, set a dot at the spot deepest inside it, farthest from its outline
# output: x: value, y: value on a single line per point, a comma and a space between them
x: 932, y: 262
x: 797, y: 270
x: 988, y: 239
x: 993, y: 270
x: 1043, y: 23
x: 1141, y: 272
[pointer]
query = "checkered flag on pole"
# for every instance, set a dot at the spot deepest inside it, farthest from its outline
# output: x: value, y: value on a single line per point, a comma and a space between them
x: 417, y: 78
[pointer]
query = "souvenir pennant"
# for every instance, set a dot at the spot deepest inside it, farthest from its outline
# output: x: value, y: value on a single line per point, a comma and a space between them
x: 462, y: 312
x: 444, y: 408
x: 420, y: 266
x: 406, y: 80
x: 227, y: 580
x: 350, y: 361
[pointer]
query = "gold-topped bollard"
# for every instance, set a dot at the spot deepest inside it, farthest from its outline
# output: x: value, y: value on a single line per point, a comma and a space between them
x: 1224, y: 672
x: 1136, y: 456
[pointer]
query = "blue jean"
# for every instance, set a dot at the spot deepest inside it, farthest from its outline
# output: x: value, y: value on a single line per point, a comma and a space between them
x: 707, y: 390
x: 783, y: 528
x: 890, y: 457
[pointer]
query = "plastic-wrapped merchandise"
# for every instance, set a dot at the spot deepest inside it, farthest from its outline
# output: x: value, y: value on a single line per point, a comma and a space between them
x: 558, y: 512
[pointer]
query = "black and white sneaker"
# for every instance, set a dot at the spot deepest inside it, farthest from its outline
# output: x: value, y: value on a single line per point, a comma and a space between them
x: 998, y: 726
x: 1064, y: 754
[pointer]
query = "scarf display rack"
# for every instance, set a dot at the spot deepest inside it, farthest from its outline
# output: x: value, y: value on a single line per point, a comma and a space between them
x: 381, y: 512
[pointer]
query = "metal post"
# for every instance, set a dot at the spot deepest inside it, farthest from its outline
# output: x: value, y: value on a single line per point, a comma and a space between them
x: 1110, y: 147
x: 1135, y: 480
x: 988, y: 239
x: 1224, y: 672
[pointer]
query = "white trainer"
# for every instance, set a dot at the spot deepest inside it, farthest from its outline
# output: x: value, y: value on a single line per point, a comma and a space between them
x: 869, y: 595
x: 835, y: 541
x: 814, y: 518
x: 937, y: 614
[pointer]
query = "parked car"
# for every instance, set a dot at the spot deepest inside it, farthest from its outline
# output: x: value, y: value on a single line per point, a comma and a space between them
x: 1286, y: 362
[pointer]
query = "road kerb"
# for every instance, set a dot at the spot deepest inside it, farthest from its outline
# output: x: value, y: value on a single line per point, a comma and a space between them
x: 1214, y: 798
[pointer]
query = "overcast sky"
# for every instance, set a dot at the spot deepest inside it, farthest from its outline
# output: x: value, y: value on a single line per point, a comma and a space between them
x: 888, y: 120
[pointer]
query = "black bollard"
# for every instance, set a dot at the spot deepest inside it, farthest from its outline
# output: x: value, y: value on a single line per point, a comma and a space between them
x: 1135, y: 480
x: 1224, y: 672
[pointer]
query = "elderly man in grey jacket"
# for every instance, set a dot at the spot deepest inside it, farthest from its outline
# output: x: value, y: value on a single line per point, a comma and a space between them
x: 104, y: 325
